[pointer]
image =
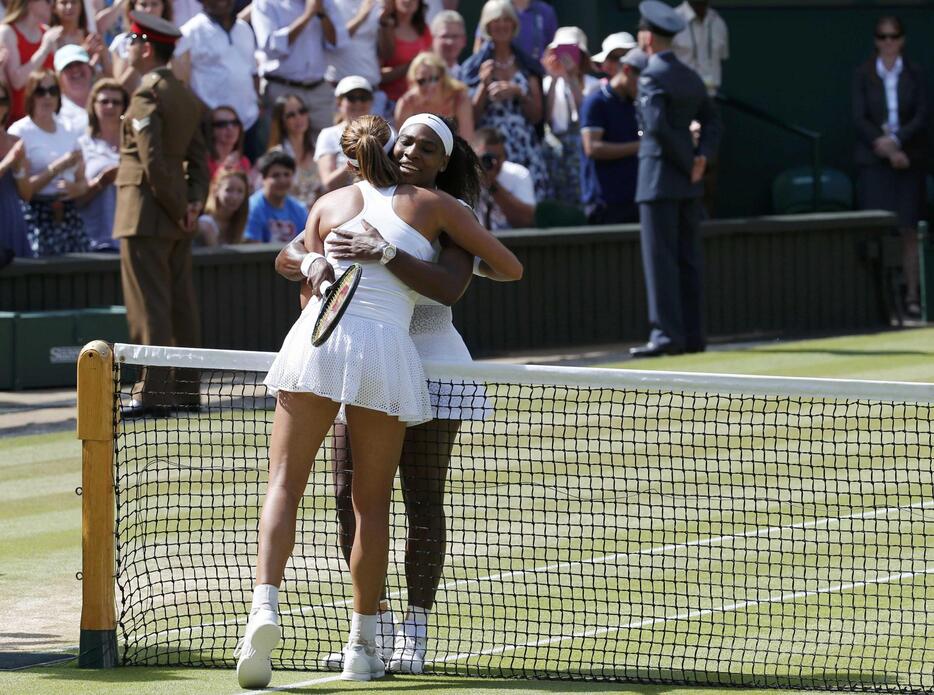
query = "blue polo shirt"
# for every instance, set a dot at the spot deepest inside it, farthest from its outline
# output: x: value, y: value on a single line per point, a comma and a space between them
x: 266, y: 222
x: 609, y: 181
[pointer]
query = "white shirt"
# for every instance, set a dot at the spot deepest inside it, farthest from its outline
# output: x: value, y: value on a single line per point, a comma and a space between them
x: 329, y: 142
x: 564, y: 114
x: 43, y: 148
x: 703, y: 45
x: 73, y: 116
x: 358, y: 55
x: 516, y: 179
x: 304, y: 60
x: 183, y: 10
x: 890, y: 81
x: 222, y: 65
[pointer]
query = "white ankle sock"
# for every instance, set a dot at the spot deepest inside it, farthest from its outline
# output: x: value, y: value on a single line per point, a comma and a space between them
x: 363, y: 628
x: 266, y: 596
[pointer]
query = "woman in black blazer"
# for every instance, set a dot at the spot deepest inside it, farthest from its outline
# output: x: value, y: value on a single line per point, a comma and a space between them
x: 890, y: 111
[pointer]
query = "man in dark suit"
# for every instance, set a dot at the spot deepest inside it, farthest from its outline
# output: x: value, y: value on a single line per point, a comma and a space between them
x: 161, y: 186
x: 669, y: 186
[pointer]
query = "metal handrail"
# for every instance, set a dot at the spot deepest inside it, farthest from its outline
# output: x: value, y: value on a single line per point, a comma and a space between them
x: 811, y: 135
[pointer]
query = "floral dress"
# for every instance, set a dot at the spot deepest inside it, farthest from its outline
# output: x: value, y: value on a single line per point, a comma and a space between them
x: 522, y: 146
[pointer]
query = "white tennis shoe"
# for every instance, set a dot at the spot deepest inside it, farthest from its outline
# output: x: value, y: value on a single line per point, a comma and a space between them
x: 385, y: 642
x: 410, y: 648
x: 254, y: 665
x: 362, y: 663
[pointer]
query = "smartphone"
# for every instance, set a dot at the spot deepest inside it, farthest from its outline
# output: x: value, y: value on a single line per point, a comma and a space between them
x: 571, y: 51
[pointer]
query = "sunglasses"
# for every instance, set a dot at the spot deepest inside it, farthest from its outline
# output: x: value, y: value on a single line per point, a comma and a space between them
x: 231, y: 123
x: 427, y: 80
x: 294, y: 114
x: 357, y: 98
x: 52, y: 91
x: 109, y: 102
x: 888, y: 37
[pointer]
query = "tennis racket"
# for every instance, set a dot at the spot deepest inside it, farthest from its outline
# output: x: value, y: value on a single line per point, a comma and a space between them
x: 336, y: 298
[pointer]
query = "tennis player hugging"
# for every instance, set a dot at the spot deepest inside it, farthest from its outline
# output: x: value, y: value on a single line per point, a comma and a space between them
x: 370, y: 365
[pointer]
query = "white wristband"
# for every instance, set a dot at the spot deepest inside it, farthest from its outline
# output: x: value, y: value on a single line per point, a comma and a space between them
x: 308, y: 260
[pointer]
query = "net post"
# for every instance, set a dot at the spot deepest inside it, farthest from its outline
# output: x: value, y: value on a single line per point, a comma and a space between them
x: 98, y: 644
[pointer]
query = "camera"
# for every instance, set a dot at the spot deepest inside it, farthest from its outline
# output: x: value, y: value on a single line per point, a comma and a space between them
x: 488, y: 161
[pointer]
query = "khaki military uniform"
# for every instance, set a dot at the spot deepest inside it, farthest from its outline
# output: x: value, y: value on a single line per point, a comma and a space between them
x: 163, y: 167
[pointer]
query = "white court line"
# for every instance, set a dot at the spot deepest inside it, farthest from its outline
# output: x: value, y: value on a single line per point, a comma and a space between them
x: 290, y: 686
x: 687, y: 615
x: 702, y: 542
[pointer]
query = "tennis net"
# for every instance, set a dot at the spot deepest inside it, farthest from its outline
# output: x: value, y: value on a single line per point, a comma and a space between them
x: 637, y: 526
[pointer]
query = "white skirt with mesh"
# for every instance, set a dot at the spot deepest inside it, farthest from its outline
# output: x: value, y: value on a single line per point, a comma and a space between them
x: 364, y: 363
x: 437, y: 340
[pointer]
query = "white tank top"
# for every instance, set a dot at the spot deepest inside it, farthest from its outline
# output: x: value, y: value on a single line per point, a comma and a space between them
x: 381, y: 296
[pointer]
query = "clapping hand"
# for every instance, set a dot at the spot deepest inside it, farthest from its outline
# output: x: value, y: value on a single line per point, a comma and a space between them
x: 486, y: 71
x: 501, y: 90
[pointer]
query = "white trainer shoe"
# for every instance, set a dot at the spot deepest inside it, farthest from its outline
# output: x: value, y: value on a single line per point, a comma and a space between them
x: 385, y: 634
x: 408, y: 656
x: 385, y: 642
x: 362, y: 663
x: 254, y: 666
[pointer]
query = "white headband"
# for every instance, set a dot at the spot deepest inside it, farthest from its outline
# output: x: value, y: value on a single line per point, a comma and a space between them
x: 387, y: 148
x: 437, y: 125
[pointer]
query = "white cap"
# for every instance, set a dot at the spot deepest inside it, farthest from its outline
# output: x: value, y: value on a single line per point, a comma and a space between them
x: 622, y: 41
x: 68, y: 54
x: 350, y: 83
x: 570, y: 36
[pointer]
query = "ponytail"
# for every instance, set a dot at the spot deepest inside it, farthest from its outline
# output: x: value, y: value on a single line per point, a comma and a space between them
x: 363, y: 140
x: 463, y: 174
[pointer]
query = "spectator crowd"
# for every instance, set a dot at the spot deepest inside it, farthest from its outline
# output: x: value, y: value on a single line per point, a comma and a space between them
x: 280, y: 79
x: 552, y: 121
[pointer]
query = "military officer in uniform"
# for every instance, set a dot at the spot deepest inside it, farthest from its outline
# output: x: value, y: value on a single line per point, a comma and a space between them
x: 161, y: 184
x: 669, y: 186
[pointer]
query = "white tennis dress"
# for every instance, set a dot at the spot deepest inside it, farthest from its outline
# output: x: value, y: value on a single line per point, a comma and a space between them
x: 369, y: 360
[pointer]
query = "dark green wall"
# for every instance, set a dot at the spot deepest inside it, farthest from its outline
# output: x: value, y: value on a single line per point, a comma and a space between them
x: 792, y: 58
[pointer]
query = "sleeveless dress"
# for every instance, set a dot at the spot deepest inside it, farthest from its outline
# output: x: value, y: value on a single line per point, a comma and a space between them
x: 437, y: 340
x: 369, y: 360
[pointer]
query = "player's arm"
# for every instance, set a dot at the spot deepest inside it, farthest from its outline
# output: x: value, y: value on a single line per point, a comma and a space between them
x: 444, y: 281
x: 497, y: 262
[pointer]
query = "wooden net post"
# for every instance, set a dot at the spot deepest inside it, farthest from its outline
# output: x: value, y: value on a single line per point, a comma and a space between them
x: 96, y: 431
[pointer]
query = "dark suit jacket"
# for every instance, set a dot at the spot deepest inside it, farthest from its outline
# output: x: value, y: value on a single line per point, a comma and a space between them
x: 870, y: 111
x: 671, y: 95
x: 163, y: 159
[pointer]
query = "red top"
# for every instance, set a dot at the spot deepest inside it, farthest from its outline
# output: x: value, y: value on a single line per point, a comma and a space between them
x: 403, y: 54
x: 26, y: 51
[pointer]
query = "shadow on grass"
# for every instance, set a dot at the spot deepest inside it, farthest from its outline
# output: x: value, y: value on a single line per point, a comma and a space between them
x: 631, y: 681
x: 121, y: 674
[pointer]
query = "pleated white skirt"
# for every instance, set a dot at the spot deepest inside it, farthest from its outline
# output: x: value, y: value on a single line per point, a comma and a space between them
x: 364, y: 363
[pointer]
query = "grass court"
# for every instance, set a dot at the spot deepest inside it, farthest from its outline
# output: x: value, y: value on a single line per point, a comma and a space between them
x: 737, y: 557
